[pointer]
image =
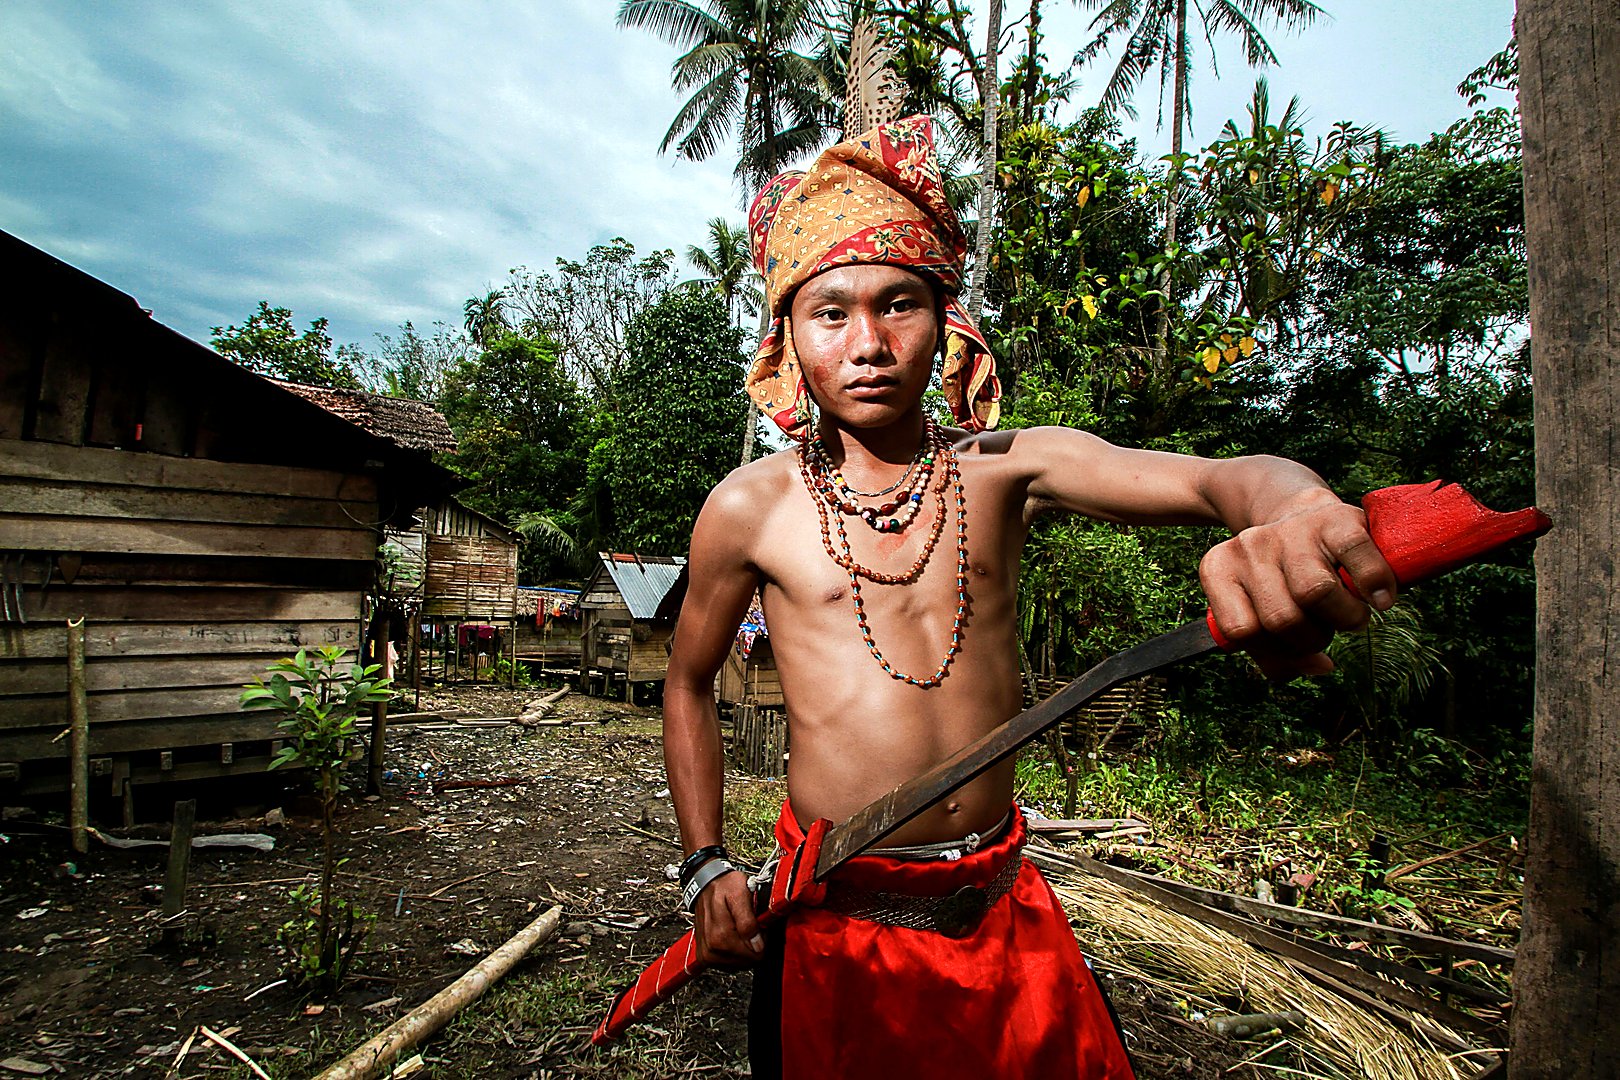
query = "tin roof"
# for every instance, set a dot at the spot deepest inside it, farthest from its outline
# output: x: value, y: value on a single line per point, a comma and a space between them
x: 643, y: 580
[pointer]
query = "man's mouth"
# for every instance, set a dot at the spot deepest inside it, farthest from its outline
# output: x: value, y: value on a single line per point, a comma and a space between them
x: 871, y: 386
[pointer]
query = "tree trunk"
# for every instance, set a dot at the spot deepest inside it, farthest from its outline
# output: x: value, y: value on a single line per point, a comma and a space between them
x: 751, y: 420
x: 990, y: 98
x: 1178, y: 121
x: 1567, y: 976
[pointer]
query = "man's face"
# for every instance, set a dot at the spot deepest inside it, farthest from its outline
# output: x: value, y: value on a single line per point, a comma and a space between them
x: 866, y: 336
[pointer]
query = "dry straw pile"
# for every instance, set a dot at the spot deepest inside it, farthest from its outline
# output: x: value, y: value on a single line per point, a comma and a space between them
x: 1187, y: 959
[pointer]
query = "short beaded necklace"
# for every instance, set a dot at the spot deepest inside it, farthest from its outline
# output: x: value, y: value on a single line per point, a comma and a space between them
x: 828, y: 492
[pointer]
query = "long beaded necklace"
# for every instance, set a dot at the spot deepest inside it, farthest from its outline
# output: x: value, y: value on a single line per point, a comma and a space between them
x: 827, y: 491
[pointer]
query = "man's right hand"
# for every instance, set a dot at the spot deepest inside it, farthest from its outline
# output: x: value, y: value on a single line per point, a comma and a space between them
x: 727, y: 933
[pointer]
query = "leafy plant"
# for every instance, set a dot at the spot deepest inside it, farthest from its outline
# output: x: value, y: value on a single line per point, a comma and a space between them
x: 313, y: 959
x: 318, y: 697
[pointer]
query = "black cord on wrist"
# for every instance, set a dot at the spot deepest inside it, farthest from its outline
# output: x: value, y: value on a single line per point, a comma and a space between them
x: 692, y: 862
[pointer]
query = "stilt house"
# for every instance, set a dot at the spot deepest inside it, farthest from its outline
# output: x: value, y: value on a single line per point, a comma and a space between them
x: 201, y: 521
x: 627, y: 618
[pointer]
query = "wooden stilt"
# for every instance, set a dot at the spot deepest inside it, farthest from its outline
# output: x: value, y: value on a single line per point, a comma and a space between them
x: 174, y: 886
x: 78, y: 740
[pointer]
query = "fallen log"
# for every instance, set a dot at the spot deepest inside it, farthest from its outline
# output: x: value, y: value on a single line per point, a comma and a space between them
x: 1247, y: 1027
x: 374, y: 1056
x: 536, y: 710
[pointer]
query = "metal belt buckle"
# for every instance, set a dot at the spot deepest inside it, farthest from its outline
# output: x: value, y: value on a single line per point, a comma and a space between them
x: 956, y: 915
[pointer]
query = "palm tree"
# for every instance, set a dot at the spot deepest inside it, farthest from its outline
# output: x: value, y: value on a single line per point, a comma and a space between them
x: 485, y: 317
x: 747, y: 75
x: 727, y: 268
x: 1156, y: 36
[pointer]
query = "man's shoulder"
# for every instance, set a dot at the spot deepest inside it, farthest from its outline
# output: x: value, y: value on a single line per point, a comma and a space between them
x: 760, y: 483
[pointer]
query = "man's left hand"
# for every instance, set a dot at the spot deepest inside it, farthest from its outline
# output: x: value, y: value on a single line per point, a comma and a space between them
x: 1274, y: 588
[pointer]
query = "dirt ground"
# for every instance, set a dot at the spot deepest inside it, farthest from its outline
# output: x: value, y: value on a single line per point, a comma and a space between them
x: 87, y: 990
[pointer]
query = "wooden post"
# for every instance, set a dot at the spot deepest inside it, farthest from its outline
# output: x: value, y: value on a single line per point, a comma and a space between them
x: 1566, y: 981
x: 174, y: 886
x: 78, y: 740
x: 379, y: 715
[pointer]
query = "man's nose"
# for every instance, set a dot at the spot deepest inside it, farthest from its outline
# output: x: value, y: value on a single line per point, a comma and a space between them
x: 867, y: 343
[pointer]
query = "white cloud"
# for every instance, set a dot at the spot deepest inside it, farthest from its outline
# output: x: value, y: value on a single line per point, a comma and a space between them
x: 373, y: 163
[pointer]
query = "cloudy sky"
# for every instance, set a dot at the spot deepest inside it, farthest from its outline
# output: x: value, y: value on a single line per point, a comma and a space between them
x: 377, y: 162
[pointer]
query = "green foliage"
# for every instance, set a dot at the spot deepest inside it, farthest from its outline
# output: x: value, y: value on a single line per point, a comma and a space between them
x: 585, y: 307
x: 677, y: 419
x: 318, y: 697
x: 727, y: 269
x: 267, y: 344
x: 1387, y: 665
x: 314, y: 959
x: 1320, y: 810
x: 416, y: 367
x: 518, y: 420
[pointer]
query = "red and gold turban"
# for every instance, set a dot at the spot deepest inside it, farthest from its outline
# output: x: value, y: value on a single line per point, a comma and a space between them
x: 876, y: 198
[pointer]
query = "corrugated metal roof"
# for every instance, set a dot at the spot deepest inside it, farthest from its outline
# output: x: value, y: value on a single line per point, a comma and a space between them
x: 643, y: 580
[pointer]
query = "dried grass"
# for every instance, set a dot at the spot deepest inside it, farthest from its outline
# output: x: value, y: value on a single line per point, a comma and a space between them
x: 1187, y: 958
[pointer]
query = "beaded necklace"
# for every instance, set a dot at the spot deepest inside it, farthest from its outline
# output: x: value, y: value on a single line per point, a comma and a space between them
x: 827, y: 492
x: 820, y: 451
x: 836, y: 490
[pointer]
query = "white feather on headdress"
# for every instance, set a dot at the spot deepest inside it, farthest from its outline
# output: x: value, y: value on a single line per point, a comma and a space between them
x: 873, y: 94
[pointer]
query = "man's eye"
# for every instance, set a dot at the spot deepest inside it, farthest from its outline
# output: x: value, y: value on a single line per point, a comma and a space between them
x: 830, y: 314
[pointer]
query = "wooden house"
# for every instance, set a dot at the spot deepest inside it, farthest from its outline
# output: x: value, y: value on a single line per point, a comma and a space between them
x: 457, y: 576
x: 748, y: 677
x: 200, y: 519
x: 749, y: 692
x: 548, y: 627
x: 627, y: 617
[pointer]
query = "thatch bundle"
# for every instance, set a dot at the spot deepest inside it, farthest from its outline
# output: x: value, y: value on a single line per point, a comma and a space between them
x: 1188, y: 958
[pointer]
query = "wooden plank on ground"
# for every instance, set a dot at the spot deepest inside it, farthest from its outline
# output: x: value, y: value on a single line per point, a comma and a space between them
x: 137, y: 503
x: 25, y: 532
x: 50, y: 461
x: 41, y: 642
x: 138, y: 604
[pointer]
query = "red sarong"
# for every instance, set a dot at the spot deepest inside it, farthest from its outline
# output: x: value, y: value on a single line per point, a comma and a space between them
x: 1012, y: 999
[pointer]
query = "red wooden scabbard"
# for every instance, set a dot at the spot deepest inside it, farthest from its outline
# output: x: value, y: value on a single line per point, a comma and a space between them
x: 794, y: 885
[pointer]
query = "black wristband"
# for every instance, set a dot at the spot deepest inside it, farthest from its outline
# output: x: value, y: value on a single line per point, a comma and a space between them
x: 690, y: 864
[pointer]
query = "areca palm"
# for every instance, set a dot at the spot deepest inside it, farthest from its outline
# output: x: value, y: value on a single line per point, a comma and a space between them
x: 726, y: 268
x: 748, y: 74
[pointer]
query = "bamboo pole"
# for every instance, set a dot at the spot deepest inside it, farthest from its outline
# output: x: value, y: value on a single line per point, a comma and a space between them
x: 378, y: 1053
x: 78, y: 740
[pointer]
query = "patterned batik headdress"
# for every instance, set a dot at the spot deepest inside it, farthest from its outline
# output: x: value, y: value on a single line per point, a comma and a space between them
x: 873, y: 198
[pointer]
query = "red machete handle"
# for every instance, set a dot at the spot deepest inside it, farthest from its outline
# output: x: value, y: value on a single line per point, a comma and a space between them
x: 1425, y: 530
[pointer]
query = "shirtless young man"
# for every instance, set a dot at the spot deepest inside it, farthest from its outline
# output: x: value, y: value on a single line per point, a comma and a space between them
x: 872, y: 706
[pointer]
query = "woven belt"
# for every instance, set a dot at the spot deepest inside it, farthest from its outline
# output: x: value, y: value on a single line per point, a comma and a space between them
x: 955, y: 915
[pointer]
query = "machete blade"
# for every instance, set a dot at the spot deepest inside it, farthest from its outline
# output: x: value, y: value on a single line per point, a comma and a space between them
x: 882, y: 817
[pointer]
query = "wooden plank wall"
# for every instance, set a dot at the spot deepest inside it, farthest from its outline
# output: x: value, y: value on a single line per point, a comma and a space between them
x: 191, y: 575
x: 759, y: 740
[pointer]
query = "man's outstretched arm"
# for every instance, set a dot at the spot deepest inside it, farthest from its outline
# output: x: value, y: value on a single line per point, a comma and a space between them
x: 1274, y: 586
